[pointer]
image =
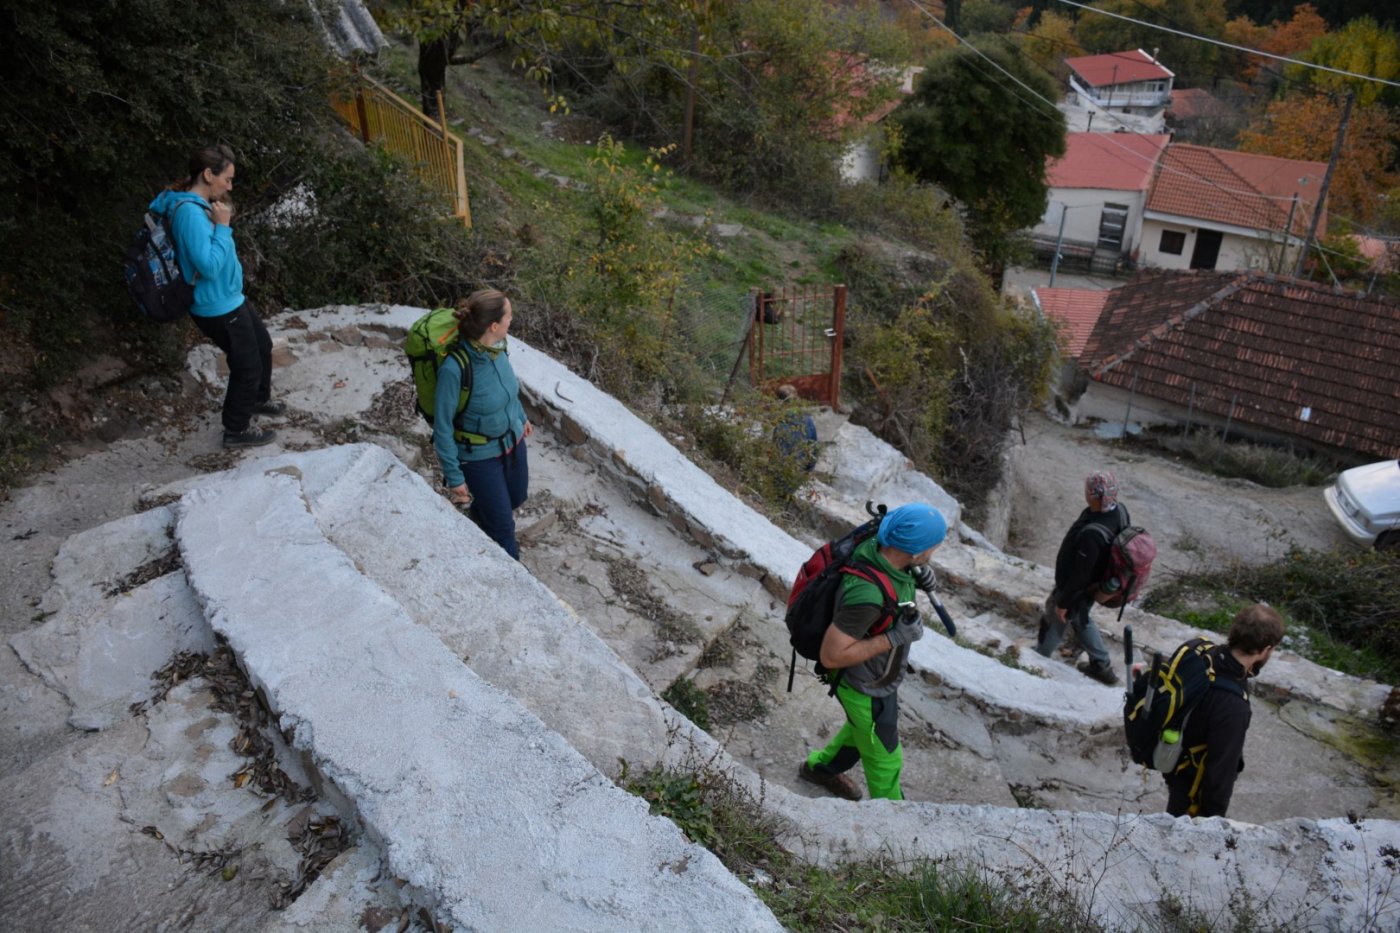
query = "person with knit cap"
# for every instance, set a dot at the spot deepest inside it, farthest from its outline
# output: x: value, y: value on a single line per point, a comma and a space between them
x: 1081, y: 564
x: 868, y: 653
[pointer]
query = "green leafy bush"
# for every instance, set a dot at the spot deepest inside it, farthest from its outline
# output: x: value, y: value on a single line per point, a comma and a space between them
x: 689, y: 700
x: 1342, y: 606
x: 742, y: 439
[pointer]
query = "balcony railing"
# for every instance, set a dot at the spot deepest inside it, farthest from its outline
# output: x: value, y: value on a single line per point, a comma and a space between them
x: 377, y: 114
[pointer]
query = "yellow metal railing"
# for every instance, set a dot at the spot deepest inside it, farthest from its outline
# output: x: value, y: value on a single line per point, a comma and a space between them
x: 377, y: 114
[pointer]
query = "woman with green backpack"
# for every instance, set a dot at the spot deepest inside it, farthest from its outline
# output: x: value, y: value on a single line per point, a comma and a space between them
x: 482, y: 448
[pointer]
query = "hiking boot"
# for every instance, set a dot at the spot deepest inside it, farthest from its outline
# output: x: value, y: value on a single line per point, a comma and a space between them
x: 838, y: 784
x: 249, y: 437
x: 270, y: 407
x: 1103, y: 675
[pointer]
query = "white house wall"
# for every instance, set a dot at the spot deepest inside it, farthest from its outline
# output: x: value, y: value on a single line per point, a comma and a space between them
x: 1238, y: 251
x: 1083, y: 209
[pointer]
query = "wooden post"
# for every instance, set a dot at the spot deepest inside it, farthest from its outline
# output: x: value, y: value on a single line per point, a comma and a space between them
x: 362, y: 114
x: 1224, y: 435
x: 441, y: 115
x: 1326, y: 183
x: 837, y: 336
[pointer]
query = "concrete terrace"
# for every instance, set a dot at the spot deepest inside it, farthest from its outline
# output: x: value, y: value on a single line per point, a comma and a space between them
x: 467, y: 721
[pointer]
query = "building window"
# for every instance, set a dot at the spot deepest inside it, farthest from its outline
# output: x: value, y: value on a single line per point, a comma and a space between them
x: 1111, y: 225
x: 1173, y: 241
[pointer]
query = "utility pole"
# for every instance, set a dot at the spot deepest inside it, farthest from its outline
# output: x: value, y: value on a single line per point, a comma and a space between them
x: 1287, y: 234
x: 1326, y: 182
x: 1055, y: 262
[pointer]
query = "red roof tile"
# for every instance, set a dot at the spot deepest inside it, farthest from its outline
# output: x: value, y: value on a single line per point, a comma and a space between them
x: 1115, y: 161
x: 1242, y: 189
x: 1117, y: 68
x: 1275, y: 346
x: 1075, y: 311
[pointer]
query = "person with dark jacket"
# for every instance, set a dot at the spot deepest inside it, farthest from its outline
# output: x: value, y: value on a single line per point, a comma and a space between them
x: 1081, y: 564
x: 1213, y: 740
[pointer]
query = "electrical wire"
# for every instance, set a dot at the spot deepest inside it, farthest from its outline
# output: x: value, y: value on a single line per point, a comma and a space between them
x: 1231, y: 45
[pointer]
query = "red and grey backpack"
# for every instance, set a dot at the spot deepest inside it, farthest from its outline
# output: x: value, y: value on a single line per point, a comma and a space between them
x: 1130, y: 555
x: 812, y: 602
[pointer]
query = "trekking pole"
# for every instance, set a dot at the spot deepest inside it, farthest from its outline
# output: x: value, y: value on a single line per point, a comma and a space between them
x: 924, y: 580
x: 1128, y: 659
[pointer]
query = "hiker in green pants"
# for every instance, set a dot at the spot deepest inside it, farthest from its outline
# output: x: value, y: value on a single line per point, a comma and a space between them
x: 869, y: 652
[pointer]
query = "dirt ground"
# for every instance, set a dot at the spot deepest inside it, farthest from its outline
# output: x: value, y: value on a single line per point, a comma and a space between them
x: 1197, y: 519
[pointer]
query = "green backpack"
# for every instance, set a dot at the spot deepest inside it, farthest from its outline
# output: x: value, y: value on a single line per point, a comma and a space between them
x: 432, y: 339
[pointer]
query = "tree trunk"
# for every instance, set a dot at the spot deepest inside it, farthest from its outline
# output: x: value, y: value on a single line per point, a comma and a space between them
x: 432, y: 72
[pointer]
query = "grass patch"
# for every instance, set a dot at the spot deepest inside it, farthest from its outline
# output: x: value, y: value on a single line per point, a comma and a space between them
x: 1341, y: 607
x: 1275, y: 467
x: 882, y: 893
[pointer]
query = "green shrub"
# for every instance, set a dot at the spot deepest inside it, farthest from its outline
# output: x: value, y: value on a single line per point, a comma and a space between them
x: 1264, y: 464
x: 742, y: 439
x: 689, y: 700
x: 1342, y: 606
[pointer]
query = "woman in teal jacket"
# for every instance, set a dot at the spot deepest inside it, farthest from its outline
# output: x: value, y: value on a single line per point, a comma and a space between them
x: 482, y: 452
x: 200, y: 216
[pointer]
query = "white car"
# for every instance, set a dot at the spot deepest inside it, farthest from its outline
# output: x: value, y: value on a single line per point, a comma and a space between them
x: 1366, y: 500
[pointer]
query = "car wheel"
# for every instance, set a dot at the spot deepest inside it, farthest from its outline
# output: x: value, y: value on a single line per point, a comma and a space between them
x: 1389, y: 542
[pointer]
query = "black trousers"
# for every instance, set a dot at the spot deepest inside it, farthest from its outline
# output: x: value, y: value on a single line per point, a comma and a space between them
x: 246, y: 344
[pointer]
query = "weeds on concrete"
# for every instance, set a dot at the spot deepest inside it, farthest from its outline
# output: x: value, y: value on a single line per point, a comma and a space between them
x: 884, y: 893
x: 690, y: 701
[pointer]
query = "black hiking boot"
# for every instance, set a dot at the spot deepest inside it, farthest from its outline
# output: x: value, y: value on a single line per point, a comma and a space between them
x: 272, y: 407
x: 1103, y: 675
x: 249, y: 437
x: 838, y: 784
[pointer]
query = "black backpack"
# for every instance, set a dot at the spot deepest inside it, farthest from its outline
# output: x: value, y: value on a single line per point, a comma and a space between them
x: 1162, y: 698
x: 153, y: 273
x: 812, y: 602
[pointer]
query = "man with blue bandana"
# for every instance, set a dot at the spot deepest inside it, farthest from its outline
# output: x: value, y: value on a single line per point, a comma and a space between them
x: 870, y: 665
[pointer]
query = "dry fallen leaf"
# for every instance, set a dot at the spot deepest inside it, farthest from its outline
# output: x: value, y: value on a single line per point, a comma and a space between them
x: 112, y: 778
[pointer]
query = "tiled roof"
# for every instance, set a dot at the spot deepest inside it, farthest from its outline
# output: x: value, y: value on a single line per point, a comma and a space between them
x: 1075, y: 311
x: 1281, y: 348
x: 1114, y: 161
x: 1117, y: 68
x: 1243, y: 189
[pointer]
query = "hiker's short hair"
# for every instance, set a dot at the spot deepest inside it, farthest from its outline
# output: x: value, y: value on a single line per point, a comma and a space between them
x: 216, y: 157
x: 478, y: 311
x: 1255, y: 628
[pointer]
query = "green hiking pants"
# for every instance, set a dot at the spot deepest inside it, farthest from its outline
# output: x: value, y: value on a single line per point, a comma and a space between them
x: 870, y: 734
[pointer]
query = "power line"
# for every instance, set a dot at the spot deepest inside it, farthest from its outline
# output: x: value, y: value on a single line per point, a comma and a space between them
x: 1230, y: 45
x: 1154, y: 163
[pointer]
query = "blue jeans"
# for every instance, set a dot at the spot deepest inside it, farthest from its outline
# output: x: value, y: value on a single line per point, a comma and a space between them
x: 248, y: 348
x: 1052, y: 632
x: 498, y: 487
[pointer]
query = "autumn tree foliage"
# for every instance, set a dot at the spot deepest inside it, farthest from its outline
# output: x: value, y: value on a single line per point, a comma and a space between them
x: 1050, y: 42
x: 1362, y: 47
x: 1290, y: 38
x: 1303, y: 126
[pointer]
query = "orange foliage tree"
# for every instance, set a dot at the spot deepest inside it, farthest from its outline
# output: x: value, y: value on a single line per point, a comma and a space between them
x: 1303, y: 126
x: 1290, y: 37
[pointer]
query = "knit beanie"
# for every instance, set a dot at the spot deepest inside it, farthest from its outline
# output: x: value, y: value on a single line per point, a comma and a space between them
x: 913, y: 528
x: 1104, y: 487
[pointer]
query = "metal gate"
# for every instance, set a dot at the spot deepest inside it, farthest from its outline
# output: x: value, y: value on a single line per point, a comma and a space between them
x: 795, y: 339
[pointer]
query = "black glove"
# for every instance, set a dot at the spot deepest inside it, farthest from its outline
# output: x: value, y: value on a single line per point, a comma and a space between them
x: 923, y: 577
x: 909, y: 628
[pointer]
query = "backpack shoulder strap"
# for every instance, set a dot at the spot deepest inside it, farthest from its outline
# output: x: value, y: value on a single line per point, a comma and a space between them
x: 882, y: 581
x: 459, y: 353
